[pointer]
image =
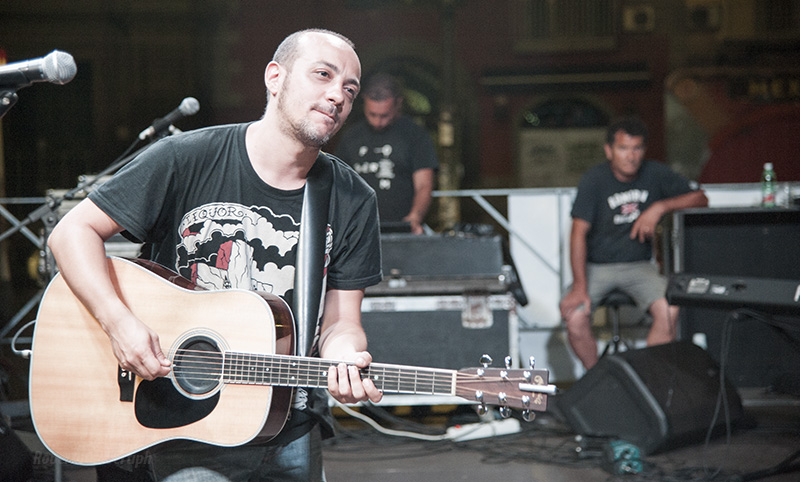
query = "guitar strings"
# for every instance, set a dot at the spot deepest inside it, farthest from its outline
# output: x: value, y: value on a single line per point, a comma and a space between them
x: 253, y: 368
x: 247, y: 362
x: 243, y: 368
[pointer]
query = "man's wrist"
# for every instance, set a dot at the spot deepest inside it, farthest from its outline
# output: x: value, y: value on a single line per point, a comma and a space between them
x: 414, y: 218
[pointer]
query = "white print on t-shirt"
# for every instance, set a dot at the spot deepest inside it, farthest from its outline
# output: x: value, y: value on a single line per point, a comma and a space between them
x: 383, y: 169
x: 625, y: 197
x: 224, y: 245
x: 228, y: 245
x: 629, y: 202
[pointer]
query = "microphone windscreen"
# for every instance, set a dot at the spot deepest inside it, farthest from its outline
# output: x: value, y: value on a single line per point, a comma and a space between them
x: 189, y: 106
x: 59, y: 67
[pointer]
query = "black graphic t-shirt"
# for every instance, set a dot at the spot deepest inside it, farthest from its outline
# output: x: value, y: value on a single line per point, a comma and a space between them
x: 387, y: 160
x: 611, y: 207
x: 197, y: 199
x: 198, y: 204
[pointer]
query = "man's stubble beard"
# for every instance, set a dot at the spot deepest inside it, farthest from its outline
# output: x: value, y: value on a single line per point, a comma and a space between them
x: 300, y: 129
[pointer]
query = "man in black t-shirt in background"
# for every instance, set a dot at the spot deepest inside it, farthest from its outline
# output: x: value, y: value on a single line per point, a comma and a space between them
x: 618, y: 205
x: 392, y: 153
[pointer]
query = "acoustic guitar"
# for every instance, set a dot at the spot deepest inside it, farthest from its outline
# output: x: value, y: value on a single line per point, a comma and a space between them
x: 232, y: 373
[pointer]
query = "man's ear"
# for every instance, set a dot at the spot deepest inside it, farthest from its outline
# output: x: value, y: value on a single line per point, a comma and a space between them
x: 609, y: 152
x: 273, y: 76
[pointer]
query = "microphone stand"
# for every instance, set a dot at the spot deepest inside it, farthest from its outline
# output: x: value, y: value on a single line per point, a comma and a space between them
x: 52, y: 204
x: 8, y: 97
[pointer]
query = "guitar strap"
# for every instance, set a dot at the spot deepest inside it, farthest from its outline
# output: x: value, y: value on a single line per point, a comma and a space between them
x: 310, y: 266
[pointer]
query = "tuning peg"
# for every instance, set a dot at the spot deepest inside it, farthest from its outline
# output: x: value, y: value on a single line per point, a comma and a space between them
x: 527, y: 376
x: 486, y: 360
x: 507, y: 362
x: 527, y: 414
x: 479, y: 396
x: 531, y: 362
x: 505, y: 412
x: 504, y: 374
x: 482, y: 410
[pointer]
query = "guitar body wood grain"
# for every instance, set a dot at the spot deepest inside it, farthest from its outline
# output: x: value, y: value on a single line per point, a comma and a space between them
x: 74, y: 394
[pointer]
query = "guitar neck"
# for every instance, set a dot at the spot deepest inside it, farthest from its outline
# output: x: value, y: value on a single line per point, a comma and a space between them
x: 292, y: 371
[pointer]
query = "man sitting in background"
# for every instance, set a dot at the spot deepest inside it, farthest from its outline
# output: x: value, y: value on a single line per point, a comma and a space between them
x: 615, y: 213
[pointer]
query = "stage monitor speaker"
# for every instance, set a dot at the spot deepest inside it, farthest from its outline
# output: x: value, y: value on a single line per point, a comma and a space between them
x: 656, y: 398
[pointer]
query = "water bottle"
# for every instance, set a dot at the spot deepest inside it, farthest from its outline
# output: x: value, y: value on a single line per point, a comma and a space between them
x: 768, y: 186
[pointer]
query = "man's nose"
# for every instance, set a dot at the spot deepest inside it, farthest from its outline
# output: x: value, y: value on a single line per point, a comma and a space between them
x: 336, y: 94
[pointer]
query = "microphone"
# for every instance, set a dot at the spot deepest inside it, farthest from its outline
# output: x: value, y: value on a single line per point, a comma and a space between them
x: 189, y: 106
x: 56, y: 67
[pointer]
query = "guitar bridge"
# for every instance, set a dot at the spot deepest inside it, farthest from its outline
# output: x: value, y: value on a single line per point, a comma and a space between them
x: 125, y: 380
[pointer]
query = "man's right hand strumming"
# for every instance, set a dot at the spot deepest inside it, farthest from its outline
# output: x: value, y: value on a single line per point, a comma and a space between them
x: 137, y: 347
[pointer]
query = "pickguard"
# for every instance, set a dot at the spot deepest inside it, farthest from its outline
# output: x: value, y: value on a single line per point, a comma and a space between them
x: 159, y: 405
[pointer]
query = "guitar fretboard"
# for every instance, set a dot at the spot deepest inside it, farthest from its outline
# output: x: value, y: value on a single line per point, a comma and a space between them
x: 254, y: 369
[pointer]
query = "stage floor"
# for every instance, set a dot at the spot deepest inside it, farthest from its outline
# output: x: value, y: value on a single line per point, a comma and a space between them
x: 545, y: 450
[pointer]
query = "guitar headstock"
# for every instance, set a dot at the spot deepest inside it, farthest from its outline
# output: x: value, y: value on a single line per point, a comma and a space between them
x: 506, y: 388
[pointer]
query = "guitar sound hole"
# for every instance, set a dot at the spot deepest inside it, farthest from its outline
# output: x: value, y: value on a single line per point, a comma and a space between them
x: 197, y: 365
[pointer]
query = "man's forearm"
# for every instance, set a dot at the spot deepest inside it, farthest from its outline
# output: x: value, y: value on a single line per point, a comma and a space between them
x: 694, y: 199
x: 423, y: 191
x: 420, y: 206
x: 342, y: 335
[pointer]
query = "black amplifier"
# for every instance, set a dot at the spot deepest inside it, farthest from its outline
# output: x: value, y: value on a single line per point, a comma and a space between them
x: 779, y: 296
x: 441, y: 265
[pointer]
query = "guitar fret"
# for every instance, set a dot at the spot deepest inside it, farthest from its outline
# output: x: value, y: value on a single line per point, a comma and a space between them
x: 319, y: 374
x: 278, y: 374
x: 228, y: 365
x: 243, y: 370
x: 401, y: 379
x: 291, y: 377
x: 264, y: 370
x: 240, y: 372
x: 234, y: 365
x: 250, y: 369
x: 240, y: 367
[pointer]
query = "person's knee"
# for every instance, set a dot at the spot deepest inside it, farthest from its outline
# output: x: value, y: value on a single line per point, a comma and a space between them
x: 196, y: 474
x: 660, y: 310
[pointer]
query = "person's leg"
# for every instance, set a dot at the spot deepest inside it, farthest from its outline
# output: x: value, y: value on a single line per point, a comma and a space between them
x: 190, y: 461
x: 600, y: 280
x: 300, y: 461
x: 665, y: 319
x: 196, y: 474
x: 648, y: 288
x: 581, y: 339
